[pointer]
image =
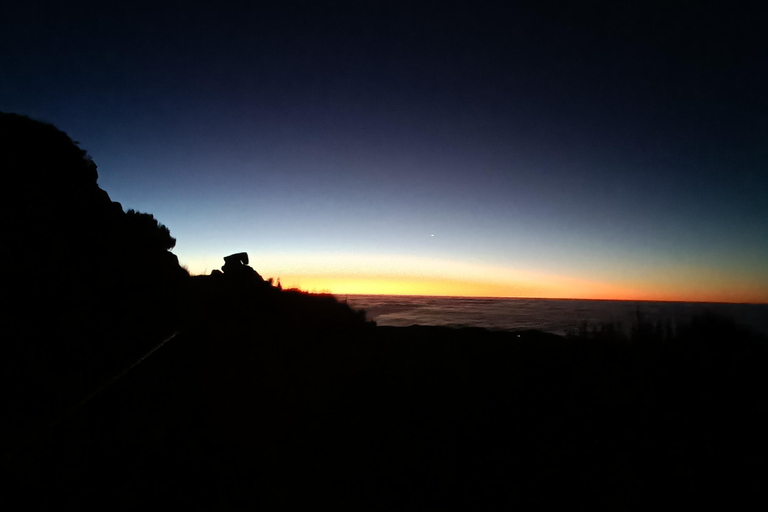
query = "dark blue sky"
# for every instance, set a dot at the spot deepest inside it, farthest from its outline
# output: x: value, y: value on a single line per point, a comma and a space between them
x: 615, y: 149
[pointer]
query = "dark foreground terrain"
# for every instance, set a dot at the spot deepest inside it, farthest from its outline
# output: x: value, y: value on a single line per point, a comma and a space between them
x: 248, y: 408
x: 253, y: 397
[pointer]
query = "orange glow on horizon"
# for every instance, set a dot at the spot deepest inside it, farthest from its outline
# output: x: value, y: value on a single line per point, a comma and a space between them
x: 353, y: 274
x: 557, y: 289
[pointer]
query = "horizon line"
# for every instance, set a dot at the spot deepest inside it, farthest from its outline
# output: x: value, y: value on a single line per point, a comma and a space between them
x: 527, y: 298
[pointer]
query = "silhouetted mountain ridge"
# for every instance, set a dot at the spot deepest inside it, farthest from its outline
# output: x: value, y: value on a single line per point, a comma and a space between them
x: 86, y: 285
x: 89, y: 287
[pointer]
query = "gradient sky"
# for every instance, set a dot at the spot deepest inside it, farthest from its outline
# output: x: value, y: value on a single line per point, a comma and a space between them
x: 599, y: 150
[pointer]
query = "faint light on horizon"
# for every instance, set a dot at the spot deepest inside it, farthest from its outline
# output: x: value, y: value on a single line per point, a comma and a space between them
x: 345, y: 273
x: 349, y: 273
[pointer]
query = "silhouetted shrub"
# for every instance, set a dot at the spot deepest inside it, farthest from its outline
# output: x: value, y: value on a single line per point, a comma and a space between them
x: 144, y: 230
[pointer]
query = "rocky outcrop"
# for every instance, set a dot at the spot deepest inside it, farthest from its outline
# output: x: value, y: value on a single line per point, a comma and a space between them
x: 86, y: 286
x: 62, y: 233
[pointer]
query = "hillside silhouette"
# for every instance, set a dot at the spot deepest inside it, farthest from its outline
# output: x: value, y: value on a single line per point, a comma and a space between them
x: 257, y: 397
x: 88, y: 286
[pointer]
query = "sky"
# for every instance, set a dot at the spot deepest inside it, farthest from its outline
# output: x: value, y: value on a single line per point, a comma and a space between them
x: 613, y: 150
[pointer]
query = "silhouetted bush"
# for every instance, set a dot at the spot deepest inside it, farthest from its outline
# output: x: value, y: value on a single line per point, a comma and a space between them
x: 143, y: 230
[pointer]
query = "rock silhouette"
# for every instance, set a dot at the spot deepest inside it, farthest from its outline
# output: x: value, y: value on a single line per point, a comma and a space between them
x: 236, y: 267
x: 237, y: 260
x: 86, y: 286
x: 59, y: 216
